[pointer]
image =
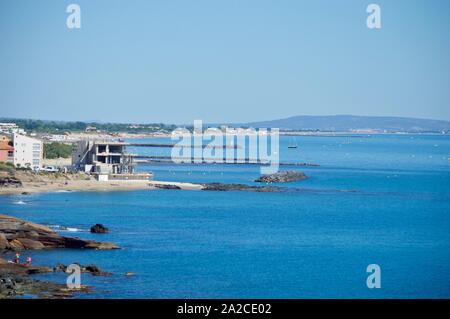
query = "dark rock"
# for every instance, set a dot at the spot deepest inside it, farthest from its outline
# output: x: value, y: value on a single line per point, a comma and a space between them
x: 60, y: 267
x: 282, y: 177
x: 166, y: 186
x: 31, y: 270
x: 10, y: 182
x: 99, y: 229
x: 90, y: 269
x: 95, y: 271
x: 240, y: 187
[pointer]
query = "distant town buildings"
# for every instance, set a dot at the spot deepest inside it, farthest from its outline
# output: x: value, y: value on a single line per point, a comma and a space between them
x: 11, y: 128
x: 62, y: 138
x: 28, y: 151
x: 91, y: 129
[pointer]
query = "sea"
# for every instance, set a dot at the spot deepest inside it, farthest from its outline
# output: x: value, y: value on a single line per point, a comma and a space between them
x: 375, y: 199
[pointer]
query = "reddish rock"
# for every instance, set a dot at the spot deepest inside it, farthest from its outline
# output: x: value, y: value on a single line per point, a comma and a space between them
x: 19, y: 234
x: 30, y: 243
x: 4, y: 244
x: 16, y: 245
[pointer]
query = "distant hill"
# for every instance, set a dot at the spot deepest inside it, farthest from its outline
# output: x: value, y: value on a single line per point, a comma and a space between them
x: 345, y: 123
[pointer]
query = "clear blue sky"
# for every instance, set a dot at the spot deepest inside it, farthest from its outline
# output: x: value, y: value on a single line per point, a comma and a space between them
x: 223, y: 60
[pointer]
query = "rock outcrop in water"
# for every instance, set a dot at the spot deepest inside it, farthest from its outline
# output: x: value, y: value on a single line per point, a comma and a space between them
x: 99, y: 229
x: 282, y: 177
x: 90, y: 269
x: 240, y: 187
x: 17, y: 234
x: 166, y: 186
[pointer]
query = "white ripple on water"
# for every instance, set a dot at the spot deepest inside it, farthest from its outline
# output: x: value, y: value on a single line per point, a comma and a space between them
x: 65, y: 229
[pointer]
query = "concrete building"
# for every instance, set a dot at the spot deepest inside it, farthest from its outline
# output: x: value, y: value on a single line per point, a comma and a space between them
x: 28, y: 151
x: 107, y: 159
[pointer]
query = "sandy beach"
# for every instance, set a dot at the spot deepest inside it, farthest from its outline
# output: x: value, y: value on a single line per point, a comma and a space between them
x: 40, y: 183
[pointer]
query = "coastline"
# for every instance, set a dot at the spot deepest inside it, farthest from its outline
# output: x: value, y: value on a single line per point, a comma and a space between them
x: 93, y: 185
x: 78, y: 185
x: 18, y: 235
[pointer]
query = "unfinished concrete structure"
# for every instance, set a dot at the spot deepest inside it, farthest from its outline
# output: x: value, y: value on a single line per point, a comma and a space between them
x: 107, y: 159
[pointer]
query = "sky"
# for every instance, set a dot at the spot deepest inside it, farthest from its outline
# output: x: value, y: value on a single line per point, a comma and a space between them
x: 223, y: 60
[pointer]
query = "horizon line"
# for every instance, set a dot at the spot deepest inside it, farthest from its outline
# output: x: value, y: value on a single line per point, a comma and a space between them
x: 224, y: 123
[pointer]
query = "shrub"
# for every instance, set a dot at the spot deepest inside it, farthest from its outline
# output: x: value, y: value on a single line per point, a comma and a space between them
x: 57, y: 150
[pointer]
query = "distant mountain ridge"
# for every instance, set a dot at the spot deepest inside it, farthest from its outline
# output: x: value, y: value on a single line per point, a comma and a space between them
x: 345, y: 123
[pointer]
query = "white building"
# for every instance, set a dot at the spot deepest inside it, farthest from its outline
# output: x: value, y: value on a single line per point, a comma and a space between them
x: 28, y: 151
x: 10, y: 128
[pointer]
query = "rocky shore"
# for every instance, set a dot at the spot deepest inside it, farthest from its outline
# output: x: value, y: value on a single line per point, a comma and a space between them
x: 15, y: 280
x: 18, y: 235
x: 26, y: 183
x: 7, y: 181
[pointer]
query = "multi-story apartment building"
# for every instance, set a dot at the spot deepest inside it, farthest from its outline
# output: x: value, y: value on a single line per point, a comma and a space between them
x: 28, y: 151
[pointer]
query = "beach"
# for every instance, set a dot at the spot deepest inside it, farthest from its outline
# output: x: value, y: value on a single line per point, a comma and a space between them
x: 66, y: 182
x: 93, y: 185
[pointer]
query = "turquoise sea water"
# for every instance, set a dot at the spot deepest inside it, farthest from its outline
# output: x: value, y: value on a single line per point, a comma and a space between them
x: 382, y: 199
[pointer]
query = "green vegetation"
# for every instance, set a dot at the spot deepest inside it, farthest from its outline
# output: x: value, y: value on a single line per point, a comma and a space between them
x: 7, y: 167
x: 59, y: 127
x: 57, y: 150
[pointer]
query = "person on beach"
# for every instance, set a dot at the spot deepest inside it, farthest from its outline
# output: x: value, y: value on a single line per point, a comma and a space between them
x: 17, y: 259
